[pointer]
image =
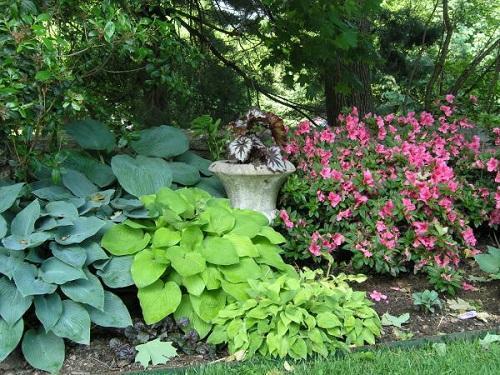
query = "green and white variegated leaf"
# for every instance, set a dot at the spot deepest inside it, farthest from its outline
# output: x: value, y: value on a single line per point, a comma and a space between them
x: 116, y: 272
x: 78, y: 184
x: 91, y: 135
x: 74, y: 255
x: 274, y: 159
x: 48, y: 309
x: 83, y: 228
x: 241, y: 148
x: 141, y: 175
x: 12, y: 304
x: 43, y: 350
x: 74, y: 323
x: 10, y: 336
x: 60, y: 210
x: 28, y: 283
x: 97, y: 172
x: 56, y: 271
x: 113, y: 314
x: 8, y: 195
x: 162, y: 141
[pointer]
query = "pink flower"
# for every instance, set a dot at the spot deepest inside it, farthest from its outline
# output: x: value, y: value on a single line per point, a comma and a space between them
x: 492, y: 165
x: 360, y: 198
x: 284, y: 216
x: 344, y: 214
x: 315, y: 249
x: 447, y: 110
x: 380, y: 226
x: 320, y: 195
x: 421, y: 227
x: 468, y: 287
x: 303, y: 128
x: 409, y: 206
x: 468, y: 236
x: 377, y: 296
x: 326, y: 173
x: 327, y: 136
x: 449, y: 98
x: 334, y: 198
x: 338, y: 239
x: 367, y: 178
x: 386, y: 209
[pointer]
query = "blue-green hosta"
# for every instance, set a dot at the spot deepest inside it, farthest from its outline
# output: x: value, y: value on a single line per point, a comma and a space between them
x: 51, y: 263
x: 195, y: 255
x: 297, y: 317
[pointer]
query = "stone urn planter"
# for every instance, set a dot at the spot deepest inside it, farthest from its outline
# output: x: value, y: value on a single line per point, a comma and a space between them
x: 253, y: 187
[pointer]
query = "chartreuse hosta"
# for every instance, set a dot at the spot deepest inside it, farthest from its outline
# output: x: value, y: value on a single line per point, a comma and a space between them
x: 195, y: 255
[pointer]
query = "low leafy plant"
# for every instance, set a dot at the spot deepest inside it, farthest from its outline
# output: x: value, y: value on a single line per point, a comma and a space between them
x: 427, y: 300
x: 297, y: 317
x: 195, y: 255
x: 445, y: 279
x: 489, y: 262
x: 157, y: 352
x: 51, y: 265
x: 208, y: 127
x: 249, y: 145
x: 395, y: 321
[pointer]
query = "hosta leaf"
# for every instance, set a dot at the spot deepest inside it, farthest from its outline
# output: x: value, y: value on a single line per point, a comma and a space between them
x: 23, y: 223
x: 145, y: 270
x: 61, y: 209
x: 93, y: 252
x: 269, y: 255
x: 219, y: 251
x: 10, y: 336
x: 196, y: 161
x: 48, y: 223
x: 83, y: 228
x: 167, y: 198
x: 8, y: 195
x: 74, y: 255
x: 116, y: 272
x: 242, y: 271
x: 185, y: 311
x: 57, y: 272
x: 184, y: 174
x: 48, y: 309
x: 244, y: 246
x: 187, y: 263
x: 211, y: 277
x: 123, y: 240
x: 28, y: 282
x: 12, y: 304
x: 237, y: 291
x: 166, y: 237
x: 97, y: 172
x: 17, y: 243
x: 208, y: 305
x: 212, y: 185
x: 328, y: 320
x: 88, y: 291
x: 192, y: 237
x: 159, y: 300
x: 162, y: 141
x: 154, y: 351
x: 78, y: 184
x: 194, y: 284
x: 142, y: 175
x: 43, y: 350
x: 74, y: 323
x: 273, y: 236
x: 3, y: 227
x: 91, y: 135
x: 113, y: 314
x: 248, y: 223
x: 53, y: 193
x: 219, y: 220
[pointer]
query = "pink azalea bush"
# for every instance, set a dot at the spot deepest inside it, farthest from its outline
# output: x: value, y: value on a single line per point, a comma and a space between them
x: 399, y: 192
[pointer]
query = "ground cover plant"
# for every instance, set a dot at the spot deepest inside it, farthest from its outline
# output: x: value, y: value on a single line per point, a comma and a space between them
x: 400, y: 193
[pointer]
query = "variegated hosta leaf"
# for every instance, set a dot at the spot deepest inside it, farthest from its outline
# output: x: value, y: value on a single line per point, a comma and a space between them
x: 275, y: 160
x: 240, y: 148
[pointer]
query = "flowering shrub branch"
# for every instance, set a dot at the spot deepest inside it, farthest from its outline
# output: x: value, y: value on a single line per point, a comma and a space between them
x: 399, y: 192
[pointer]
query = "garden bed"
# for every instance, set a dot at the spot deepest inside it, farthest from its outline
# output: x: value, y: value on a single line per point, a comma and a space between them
x: 100, y: 358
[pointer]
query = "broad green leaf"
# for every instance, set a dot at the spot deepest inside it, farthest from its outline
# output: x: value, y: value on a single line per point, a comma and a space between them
x: 113, y: 314
x: 192, y: 237
x: 489, y: 261
x: 78, y: 184
x: 196, y: 161
x: 43, y: 75
x: 116, y: 272
x: 88, y: 291
x: 97, y: 172
x: 184, y: 174
x: 159, y: 300
x: 141, y: 175
x: 211, y: 277
x: 208, y: 304
x: 162, y: 141
x: 185, y: 311
x: 43, y: 350
x: 269, y: 255
x: 61, y: 209
x: 244, y: 246
x: 237, y: 291
x: 395, y: 321
x: 186, y: 263
x: 74, y: 323
x: 18, y: 243
x: 10, y: 336
x: 489, y: 339
x: 93, y: 252
x: 168, y: 198
x: 248, y: 223
x: 145, y: 270
x: 123, y: 240
x: 155, y: 351
x: 166, y: 237
x: 220, y: 220
x: 3, y: 227
x: 242, y: 271
x: 212, y: 185
x: 74, y: 255
x: 194, y: 284
x: 26, y: 277
x: 83, y: 228
x: 219, y: 251
x: 273, y: 236
x: 12, y: 304
x: 328, y: 320
x: 109, y: 31
x: 53, y: 193
x: 23, y: 223
x: 54, y: 271
x: 91, y: 135
x: 8, y: 195
x: 48, y: 309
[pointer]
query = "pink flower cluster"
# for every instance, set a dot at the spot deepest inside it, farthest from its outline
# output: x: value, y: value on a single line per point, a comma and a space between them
x: 394, y: 190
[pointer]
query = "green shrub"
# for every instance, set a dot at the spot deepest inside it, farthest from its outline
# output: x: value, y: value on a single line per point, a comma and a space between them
x: 297, y: 318
x: 51, y: 264
x: 427, y: 300
x: 489, y: 262
x: 196, y: 255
